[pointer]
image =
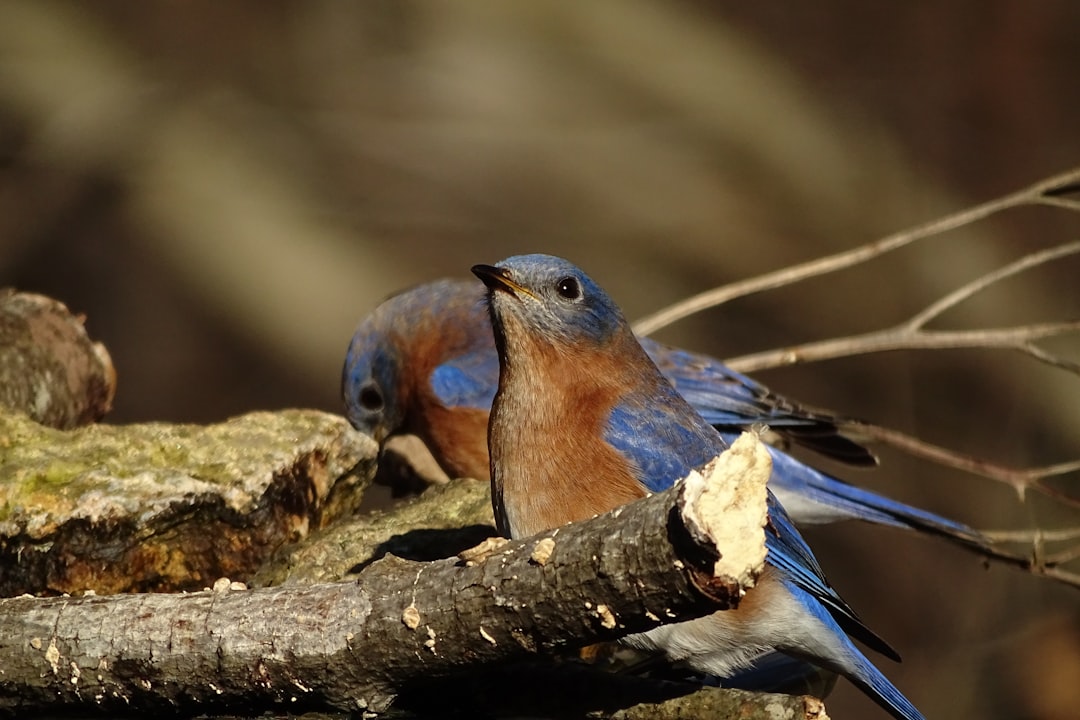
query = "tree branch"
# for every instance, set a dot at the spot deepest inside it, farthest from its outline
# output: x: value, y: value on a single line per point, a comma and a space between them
x: 901, y: 338
x: 912, y: 335
x: 966, y: 291
x: 1045, y: 192
x: 1020, y: 479
x: 354, y: 646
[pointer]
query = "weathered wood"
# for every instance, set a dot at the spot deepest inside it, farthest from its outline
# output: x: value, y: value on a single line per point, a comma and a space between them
x: 354, y: 646
x: 441, y: 522
x: 168, y: 507
x: 49, y: 367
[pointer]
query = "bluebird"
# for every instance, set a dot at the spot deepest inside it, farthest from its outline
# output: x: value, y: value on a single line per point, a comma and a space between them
x: 424, y: 362
x: 583, y: 422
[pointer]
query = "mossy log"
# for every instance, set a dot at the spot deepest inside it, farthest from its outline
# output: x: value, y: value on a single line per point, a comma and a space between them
x: 161, y: 507
x: 405, y: 629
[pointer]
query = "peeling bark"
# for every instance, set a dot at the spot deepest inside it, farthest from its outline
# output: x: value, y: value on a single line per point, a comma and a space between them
x: 357, y: 645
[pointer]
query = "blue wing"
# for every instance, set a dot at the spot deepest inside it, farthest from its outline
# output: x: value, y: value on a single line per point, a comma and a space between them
x: 658, y: 441
x: 729, y: 400
x: 658, y: 433
x: 468, y: 380
x: 721, y: 395
x: 666, y: 441
x: 789, y: 553
x: 852, y: 663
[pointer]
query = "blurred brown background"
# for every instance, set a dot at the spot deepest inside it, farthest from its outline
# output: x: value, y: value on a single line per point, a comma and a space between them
x: 226, y: 189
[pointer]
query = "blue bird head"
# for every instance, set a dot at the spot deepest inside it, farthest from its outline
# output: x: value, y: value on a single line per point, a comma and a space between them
x: 551, y: 297
x: 370, y: 382
x: 401, y: 357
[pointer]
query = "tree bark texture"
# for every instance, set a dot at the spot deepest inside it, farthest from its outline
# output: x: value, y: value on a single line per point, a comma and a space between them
x: 160, y: 507
x: 49, y: 367
x: 354, y: 646
x: 441, y: 522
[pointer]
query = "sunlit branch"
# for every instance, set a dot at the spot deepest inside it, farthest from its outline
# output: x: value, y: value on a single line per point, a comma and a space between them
x: 1020, y: 479
x: 913, y: 335
x: 1046, y: 192
x: 984, y: 281
x: 901, y: 338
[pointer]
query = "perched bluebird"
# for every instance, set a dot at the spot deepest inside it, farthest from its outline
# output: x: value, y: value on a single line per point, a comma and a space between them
x: 583, y: 422
x: 424, y: 362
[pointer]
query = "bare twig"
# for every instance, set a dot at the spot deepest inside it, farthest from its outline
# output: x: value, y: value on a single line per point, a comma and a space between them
x: 984, y: 281
x: 911, y: 335
x: 1059, y: 574
x: 1049, y: 564
x: 899, y: 338
x: 1045, y: 192
x: 1031, y: 536
x: 1020, y: 479
x: 1060, y: 202
x: 1035, y: 559
x: 1038, y: 560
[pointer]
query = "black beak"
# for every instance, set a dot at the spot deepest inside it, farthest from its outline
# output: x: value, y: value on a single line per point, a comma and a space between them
x: 498, y: 279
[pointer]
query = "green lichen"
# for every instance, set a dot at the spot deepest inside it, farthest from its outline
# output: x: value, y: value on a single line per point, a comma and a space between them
x: 47, y: 475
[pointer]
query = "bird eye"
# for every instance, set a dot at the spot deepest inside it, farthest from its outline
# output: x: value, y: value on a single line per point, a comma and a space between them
x: 569, y: 288
x: 370, y: 398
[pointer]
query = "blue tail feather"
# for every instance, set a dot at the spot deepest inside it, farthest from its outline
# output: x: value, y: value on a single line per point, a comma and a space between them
x: 853, y: 665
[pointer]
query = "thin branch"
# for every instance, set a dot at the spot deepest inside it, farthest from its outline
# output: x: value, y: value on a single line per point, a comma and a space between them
x: 1064, y: 556
x: 1020, y: 479
x: 1045, y: 192
x: 900, y: 338
x: 984, y: 281
x: 1060, y: 189
x: 911, y: 335
x: 1041, y: 559
x: 1038, y: 564
x: 1060, y: 202
x: 1049, y: 358
x: 1037, y: 560
x: 1062, y: 576
x: 1031, y: 536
